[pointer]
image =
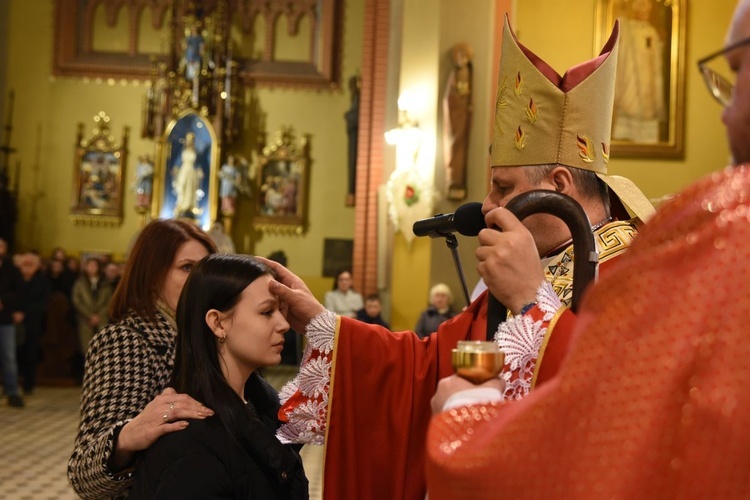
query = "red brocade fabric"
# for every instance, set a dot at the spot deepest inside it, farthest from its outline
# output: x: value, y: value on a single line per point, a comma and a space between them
x: 652, y: 400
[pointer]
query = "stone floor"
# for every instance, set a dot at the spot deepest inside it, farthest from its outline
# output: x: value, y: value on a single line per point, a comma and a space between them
x: 36, y: 441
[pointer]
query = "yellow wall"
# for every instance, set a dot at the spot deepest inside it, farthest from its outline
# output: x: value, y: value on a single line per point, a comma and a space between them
x: 562, y: 33
x: 428, y: 35
x: 48, y: 109
x: 417, y: 72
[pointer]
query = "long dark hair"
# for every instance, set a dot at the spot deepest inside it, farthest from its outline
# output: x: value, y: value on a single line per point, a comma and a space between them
x: 149, y: 262
x: 216, y: 282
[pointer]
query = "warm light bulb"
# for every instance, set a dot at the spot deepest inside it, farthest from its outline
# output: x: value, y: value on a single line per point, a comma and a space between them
x: 410, y: 101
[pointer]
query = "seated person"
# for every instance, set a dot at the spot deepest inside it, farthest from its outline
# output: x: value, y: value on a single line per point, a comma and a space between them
x: 439, y: 310
x: 229, y: 326
x: 343, y: 299
x: 371, y: 312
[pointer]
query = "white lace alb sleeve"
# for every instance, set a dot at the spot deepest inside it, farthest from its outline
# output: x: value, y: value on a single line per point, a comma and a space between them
x: 305, y: 399
x: 521, y: 338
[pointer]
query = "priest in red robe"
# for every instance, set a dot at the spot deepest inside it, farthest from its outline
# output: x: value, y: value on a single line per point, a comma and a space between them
x: 365, y: 391
x: 651, y: 401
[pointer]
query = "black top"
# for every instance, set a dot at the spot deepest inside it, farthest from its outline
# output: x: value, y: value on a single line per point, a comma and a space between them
x: 205, y: 461
x: 10, y: 283
x: 430, y: 320
x: 377, y: 320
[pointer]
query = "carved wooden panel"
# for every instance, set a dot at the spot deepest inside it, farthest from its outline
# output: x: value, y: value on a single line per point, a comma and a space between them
x: 75, y: 53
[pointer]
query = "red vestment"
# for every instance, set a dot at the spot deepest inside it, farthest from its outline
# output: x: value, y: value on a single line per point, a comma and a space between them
x: 652, y: 398
x: 378, y: 404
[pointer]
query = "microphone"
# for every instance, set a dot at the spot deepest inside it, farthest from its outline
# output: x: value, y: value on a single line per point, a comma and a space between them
x: 467, y: 220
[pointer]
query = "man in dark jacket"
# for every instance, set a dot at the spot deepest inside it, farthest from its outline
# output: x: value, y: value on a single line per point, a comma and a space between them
x: 29, y: 315
x: 9, y: 283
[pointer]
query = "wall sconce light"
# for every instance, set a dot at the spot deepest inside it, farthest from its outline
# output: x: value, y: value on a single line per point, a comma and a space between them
x: 410, y: 194
x: 408, y: 132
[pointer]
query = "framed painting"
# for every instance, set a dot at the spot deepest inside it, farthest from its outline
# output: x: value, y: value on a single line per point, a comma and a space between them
x: 185, y: 185
x: 282, y: 185
x: 648, y: 118
x: 98, y: 175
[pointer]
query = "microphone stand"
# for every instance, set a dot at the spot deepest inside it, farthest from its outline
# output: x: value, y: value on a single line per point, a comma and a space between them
x: 452, y: 242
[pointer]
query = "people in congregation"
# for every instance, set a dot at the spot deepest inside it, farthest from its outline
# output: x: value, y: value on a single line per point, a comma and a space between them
x: 73, y: 265
x: 61, y: 321
x: 126, y: 404
x: 343, y: 299
x: 230, y: 326
x: 29, y: 314
x: 90, y: 296
x: 439, y: 311
x: 10, y: 279
x: 564, y: 152
x: 372, y: 313
x: 652, y: 399
x: 112, y: 274
x: 60, y: 278
x: 58, y: 253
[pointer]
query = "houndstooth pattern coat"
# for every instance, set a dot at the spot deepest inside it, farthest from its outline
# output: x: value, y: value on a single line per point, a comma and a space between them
x: 128, y: 364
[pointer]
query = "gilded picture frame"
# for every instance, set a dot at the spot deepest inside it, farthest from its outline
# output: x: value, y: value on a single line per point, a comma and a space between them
x: 282, y: 184
x: 648, y: 119
x: 99, y: 170
x: 185, y: 181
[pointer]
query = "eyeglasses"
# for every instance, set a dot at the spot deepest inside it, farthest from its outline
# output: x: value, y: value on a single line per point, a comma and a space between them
x: 721, y: 87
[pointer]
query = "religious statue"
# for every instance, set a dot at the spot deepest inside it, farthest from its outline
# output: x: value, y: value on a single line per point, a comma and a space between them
x: 457, y: 110
x: 194, y: 46
x: 639, y: 110
x: 229, y: 176
x: 186, y: 181
x: 144, y: 181
x: 352, y: 132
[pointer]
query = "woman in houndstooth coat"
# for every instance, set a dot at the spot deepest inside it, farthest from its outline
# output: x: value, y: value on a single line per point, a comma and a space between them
x: 125, y: 404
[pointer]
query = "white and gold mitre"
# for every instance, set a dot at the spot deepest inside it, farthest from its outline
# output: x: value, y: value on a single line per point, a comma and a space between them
x: 542, y: 118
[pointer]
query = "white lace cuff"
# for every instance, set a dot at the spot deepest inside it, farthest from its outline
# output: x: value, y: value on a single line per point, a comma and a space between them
x: 521, y: 338
x: 307, y: 421
x: 547, y: 300
x: 321, y: 331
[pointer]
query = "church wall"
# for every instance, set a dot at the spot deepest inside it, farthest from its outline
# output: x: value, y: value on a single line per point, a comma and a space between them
x: 48, y: 109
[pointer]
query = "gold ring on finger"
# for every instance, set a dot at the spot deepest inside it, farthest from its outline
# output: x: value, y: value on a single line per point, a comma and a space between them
x: 164, y: 417
x: 171, y: 406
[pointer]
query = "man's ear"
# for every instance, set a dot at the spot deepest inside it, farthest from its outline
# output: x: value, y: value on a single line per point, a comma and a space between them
x: 562, y: 179
x: 213, y: 320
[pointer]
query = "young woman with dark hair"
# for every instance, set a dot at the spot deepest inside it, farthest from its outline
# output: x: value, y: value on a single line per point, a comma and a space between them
x: 230, y: 326
x: 126, y: 404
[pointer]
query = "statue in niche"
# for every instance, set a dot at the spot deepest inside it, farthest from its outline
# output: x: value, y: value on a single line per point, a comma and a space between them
x: 457, y: 111
x: 229, y: 181
x: 144, y: 182
x: 352, y: 132
x: 186, y: 182
x: 194, y: 47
